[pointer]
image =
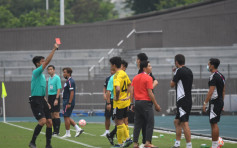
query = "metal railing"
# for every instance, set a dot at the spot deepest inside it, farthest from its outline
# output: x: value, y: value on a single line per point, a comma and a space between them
x: 161, y: 71
x: 90, y: 101
x: 198, y: 97
x: 112, y: 52
x: 25, y: 73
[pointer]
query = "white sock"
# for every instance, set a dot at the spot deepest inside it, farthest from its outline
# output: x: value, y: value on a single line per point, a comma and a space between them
x: 189, y: 145
x: 214, y: 144
x: 107, y: 131
x: 177, y: 143
x: 77, y: 127
x: 67, y: 132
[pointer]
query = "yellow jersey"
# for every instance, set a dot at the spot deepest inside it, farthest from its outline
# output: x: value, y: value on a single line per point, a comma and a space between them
x: 122, y: 80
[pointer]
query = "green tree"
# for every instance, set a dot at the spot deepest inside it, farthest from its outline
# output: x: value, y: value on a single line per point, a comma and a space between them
x: 30, y: 13
x: 142, y: 6
x: 165, y: 4
x: 7, y: 19
x: 19, y: 7
x: 39, y: 18
x: 86, y: 11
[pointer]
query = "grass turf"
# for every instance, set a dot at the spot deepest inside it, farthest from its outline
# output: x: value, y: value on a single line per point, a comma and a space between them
x: 12, y: 137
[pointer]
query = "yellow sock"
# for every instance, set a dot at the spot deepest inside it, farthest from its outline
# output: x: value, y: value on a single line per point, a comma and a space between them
x: 126, y: 132
x: 120, y: 133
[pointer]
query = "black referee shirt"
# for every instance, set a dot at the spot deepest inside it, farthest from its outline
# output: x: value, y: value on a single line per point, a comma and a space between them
x: 106, y: 81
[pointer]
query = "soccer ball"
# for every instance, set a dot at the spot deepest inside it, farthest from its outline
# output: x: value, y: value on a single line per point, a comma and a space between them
x: 82, y: 122
x: 220, y: 142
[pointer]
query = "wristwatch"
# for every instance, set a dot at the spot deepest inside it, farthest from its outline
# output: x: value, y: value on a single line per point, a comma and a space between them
x: 204, y: 103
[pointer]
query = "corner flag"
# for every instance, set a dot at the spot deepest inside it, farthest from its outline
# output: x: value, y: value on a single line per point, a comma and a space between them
x: 4, y: 92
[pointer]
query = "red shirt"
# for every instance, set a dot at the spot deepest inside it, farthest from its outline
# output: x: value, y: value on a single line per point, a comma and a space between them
x: 141, y: 83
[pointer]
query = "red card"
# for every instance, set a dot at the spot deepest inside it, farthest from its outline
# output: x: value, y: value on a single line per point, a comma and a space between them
x: 58, y: 41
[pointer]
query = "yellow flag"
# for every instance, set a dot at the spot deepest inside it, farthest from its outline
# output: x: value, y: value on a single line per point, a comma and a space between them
x: 4, y: 92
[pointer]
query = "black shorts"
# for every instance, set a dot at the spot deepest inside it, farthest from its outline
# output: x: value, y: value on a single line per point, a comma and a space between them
x: 108, y: 113
x: 39, y: 107
x: 120, y: 113
x: 183, y: 113
x: 67, y: 111
x: 51, y: 99
x: 215, y: 108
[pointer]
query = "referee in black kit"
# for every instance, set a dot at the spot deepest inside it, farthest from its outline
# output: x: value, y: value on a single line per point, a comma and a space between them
x: 38, y: 102
x: 108, y: 113
x: 215, y: 97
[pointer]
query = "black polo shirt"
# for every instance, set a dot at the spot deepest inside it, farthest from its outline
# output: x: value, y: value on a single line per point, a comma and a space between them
x: 217, y: 80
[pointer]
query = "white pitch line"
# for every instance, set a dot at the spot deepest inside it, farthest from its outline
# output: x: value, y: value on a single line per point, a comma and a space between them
x: 85, y: 133
x: 194, y: 136
x: 54, y: 137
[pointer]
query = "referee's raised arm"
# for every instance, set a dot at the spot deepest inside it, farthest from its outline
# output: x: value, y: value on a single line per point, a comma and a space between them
x: 50, y: 56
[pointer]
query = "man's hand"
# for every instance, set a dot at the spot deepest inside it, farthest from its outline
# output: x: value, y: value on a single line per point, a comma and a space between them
x: 49, y: 106
x: 108, y: 107
x: 132, y: 108
x: 204, y: 108
x: 68, y: 106
x: 157, y: 108
x: 116, y: 99
x: 174, y: 69
x: 125, y: 99
x: 55, y: 102
x: 105, y: 97
x: 55, y: 46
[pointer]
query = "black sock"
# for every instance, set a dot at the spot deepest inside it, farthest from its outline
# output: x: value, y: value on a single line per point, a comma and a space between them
x: 48, y: 135
x: 57, y: 125
x: 36, y: 133
x: 54, y: 125
x: 113, y: 131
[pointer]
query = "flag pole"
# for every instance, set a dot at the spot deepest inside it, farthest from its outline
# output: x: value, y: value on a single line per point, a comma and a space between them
x: 4, y: 113
x: 4, y: 94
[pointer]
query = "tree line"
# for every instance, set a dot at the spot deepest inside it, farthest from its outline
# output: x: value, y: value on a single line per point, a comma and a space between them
x: 32, y: 13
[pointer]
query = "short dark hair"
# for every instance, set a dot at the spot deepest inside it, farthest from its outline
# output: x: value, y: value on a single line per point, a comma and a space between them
x: 37, y: 59
x: 116, y: 61
x: 180, y: 59
x: 215, y: 62
x: 142, y: 57
x: 143, y: 64
x: 68, y: 69
x: 124, y: 63
x: 51, y: 66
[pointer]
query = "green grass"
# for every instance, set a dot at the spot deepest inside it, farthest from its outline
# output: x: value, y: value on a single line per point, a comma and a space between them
x: 15, y: 137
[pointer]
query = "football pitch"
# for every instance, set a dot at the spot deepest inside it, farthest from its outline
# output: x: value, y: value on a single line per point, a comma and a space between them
x: 18, y: 135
